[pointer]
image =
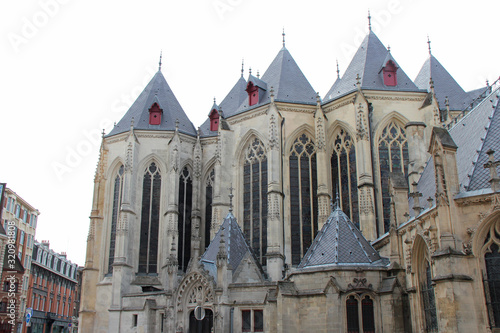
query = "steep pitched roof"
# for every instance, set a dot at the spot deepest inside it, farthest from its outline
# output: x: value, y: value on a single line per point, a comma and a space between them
x: 340, y: 243
x: 444, y: 85
x: 368, y: 61
x: 474, y: 134
x: 288, y: 82
x: 157, y: 90
x: 235, y: 244
x: 229, y: 105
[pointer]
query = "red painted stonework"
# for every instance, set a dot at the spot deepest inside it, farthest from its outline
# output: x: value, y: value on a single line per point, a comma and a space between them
x: 155, y: 114
x: 390, y: 77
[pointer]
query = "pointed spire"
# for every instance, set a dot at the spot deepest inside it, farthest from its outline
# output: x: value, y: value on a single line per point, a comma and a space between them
x: 250, y: 70
x: 258, y: 74
x: 337, y: 201
x: 283, y: 34
x: 369, y: 21
x: 338, y: 70
x: 388, y: 48
x: 429, y: 45
x: 103, y: 133
x: 242, y: 66
x: 177, y: 125
x: 159, y: 63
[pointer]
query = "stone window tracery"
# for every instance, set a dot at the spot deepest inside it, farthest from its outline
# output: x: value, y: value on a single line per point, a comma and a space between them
x: 150, y: 218
x: 209, y: 191
x: 255, y: 198
x: 428, y: 299
x: 491, y: 275
x: 117, y: 200
x: 184, y: 219
x: 303, y: 196
x: 344, y: 176
x: 393, y: 157
x: 360, y: 314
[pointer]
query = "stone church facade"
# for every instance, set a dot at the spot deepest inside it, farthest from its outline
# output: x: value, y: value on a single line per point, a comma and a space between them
x: 373, y: 209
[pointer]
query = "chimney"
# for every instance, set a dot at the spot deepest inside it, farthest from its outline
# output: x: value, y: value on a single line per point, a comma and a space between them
x: 46, y: 243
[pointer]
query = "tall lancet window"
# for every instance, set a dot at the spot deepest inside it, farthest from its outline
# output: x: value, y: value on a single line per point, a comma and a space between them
x: 117, y: 201
x: 255, y: 198
x: 150, y: 220
x: 209, y: 192
x: 344, y: 177
x: 491, y: 277
x: 184, y: 221
x: 428, y: 299
x: 393, y: 157
x: 303, y: 196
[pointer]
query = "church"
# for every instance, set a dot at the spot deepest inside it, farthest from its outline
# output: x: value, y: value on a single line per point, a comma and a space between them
x: 375, y: 208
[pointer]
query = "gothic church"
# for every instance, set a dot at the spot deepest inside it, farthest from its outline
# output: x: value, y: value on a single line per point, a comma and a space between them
x: 375, y: 208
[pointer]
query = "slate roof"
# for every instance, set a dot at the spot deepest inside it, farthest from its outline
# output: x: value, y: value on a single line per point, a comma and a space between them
x: 229, y: 105
x: 368, y: 61
x: 474, y: 134
x: 340, y: 243
x: 288, y: 82
x: 235, y: 244
x: 156, y: 90
x: 444, y: 85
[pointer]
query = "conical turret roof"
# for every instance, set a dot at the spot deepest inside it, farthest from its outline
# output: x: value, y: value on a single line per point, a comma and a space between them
x: 368, y: 61
x: 157, y: 90
x: 340, y: 243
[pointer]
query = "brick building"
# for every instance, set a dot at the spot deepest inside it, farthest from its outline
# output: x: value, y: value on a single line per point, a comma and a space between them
x: 54, y: 290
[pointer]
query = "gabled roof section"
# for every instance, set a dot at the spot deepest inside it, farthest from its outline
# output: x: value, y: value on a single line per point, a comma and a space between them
x: 235, y: 244
x: 444, y: 85
x: 340, y: 243
x: 157, y: 90
x: 229, y: 105
x: 369, y: 59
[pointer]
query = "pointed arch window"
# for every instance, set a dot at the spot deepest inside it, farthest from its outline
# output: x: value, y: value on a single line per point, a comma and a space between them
x: 428, y: 299
x: 393, y: 157
x: 360, y: 315
x: 117, y: 201
x: 491, y: 276
x: 303, y: 196
x: 344, y: 177
x: 255, y: 198
x: 184, y: 219
x: 150, y: 220
x: 209, y: 192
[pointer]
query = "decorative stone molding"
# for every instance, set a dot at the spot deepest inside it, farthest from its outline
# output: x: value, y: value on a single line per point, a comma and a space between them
x: 251, y: 116
x: 361, y: 131
x: 359, y: 283
x: 366, y: 202
x: 200, y: 291
x: 320, y: 133
x: 273, y: 133
x: 395, y: 98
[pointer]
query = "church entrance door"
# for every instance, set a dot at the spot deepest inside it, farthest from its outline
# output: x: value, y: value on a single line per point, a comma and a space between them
x: 201, y: 326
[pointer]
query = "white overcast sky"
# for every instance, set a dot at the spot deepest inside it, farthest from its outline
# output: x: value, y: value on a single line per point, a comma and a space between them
x: 70, y: 68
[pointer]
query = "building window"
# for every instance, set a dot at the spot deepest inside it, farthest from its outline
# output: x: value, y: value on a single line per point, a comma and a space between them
x: 117, y: 201
x: 389, y: 73
x: 428, y: 300
x: 3, y: 306
x: 134, y: 320
x: 344, y: 177
x: 492, y: 275
x: 184, y: 221
x: 18, y: 210
x: 252, y: 320
x: 25, y: 216
x: 253, y: 93
x: 9, y: 201
x: 357, y: 323
x: 150, y: 220
x: 209, y: 192
x: 393, y: 157
x: 155, y: 113
x: 303, y: 196
x: 214, y: 120
x: 255, y: 198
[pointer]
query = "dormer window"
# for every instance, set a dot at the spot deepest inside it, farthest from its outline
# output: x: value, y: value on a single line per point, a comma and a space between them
x: 155, y: 114
x: 389, y: 72
x: 253, y: 93
x: 214, y: 120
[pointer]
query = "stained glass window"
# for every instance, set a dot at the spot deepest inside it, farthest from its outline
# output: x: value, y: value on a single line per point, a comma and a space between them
x: 255, y: 198
x: 429, y: 301
x: 344, y: 176
x: 393, y: 157
x: 117, y: 200
x: 352, y: 312
x: 184, y: 219
x: 368, y: 315
x: 303, y: 196
x: 209, y: 190
x: 492, y: 276
x: 150, y: 219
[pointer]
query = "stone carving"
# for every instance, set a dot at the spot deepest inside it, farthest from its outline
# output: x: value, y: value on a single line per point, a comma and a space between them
x: 359, y: 283
x: 273, y: 133
x: 200, y: 293
x: 129, y: 157
x: 197, y: 160
x: 366, y: 202
x: 362, y: 133
x: 320, y: 132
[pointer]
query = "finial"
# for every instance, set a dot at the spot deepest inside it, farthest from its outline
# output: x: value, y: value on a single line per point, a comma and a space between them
x: 258, y: 74
x: 199, y: 131
x: 283, y: 34
x: 337, y: 201
x: 318, y: 98
x: 388, y: 48
x: 132, y: 123
x: 231, y: 195
x: 338, y: 70
x: 214, y: 100
x: 242, y: 66
x: 429, y: 43
x: 331, y: 204
x: 358, y: 79
x: 487, y: 82
x: 159, y: 63
x: 103, y: 133
x: 250, y: 70
x: 176, y: 124
x: 369, y: 21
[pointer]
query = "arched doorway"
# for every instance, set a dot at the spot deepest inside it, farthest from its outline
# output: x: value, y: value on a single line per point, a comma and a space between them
x: 201, y: 326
